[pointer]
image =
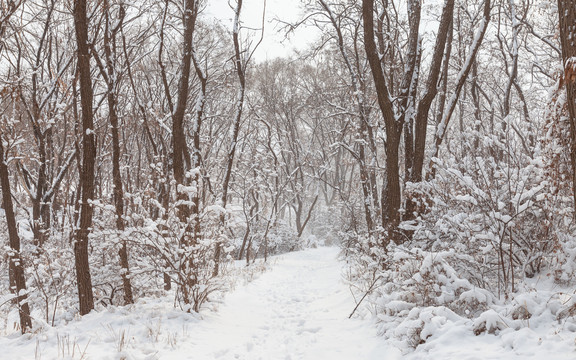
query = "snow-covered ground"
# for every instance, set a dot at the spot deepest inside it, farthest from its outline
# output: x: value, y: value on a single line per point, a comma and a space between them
x: 297, y: 310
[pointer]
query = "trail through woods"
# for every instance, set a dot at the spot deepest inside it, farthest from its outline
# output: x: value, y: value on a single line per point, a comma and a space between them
x: 298, y: 310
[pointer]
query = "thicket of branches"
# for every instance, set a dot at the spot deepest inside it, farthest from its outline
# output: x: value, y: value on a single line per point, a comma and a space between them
x: 144, y: 148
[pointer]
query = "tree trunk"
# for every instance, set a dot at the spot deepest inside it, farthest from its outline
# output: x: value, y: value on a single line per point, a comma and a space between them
x: 109, y: 47
x: 84, y: 280
x: 441, y: 131
x: 567, y: 19
x: 390, y: 215
x: 372, y: 206
x: 241, y: 73
x: 431, y: 91
x: 302, y: 225
x: 409, y: 85
x: 16, y: 265
x: 181, y: 156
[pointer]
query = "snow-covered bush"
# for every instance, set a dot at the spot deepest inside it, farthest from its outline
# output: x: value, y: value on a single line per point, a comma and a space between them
x: 489, y: 205
x: 173, y: 253
x: 419, y: 279
x: 559, y: 195
x: 490, y: 221
x: 52, y: 282
x: 413, y: 291
x: 416, y: 326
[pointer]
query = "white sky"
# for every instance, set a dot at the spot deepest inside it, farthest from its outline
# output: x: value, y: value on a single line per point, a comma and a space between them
x: 274, y: 44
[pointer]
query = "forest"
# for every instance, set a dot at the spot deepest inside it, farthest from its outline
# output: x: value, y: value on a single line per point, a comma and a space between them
x: 146, y: 151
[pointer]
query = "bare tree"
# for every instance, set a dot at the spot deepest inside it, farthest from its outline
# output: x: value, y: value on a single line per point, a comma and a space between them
x: 431, y: 90
x: 181, y: 155
x: 367, y: 151
x: 241, y: 60
x: 460, y: 82
x: 567, y: 18
x: 6, y: 11
x: 110, y: 73
x: 392, y: 124
x: 85, y: 294
x: 240, y: 65
x: 16, y: 266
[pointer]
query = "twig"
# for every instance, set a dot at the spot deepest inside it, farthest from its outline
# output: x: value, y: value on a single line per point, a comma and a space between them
x: 364, y: 296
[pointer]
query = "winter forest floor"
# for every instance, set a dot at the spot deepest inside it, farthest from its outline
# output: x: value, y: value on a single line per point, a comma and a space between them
x: 298, y: 309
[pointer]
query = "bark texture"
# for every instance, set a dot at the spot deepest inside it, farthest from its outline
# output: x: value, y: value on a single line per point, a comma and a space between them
x: 16, y: 266
x: 391, y: 193
x: 567, y: 21
x: 84, y: 280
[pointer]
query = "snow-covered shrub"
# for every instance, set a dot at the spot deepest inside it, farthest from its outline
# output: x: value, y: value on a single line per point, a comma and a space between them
x: 416, y: 326
x: 51, y: 285
x: 489, y: 205
x: 365, y: 264
x: 326, y: 222
x: 490, y: 221
x: 411, y: 293
x: 52, y: 282
x: 167, y: 258
x: 417, y: 278
x: 282, y: 238
x: 414, y: 291
x: 164, y: 253
x: 489, y: 321
x: 559, y: 195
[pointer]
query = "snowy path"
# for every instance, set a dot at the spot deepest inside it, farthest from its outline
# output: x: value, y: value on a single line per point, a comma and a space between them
x: 297, y: 310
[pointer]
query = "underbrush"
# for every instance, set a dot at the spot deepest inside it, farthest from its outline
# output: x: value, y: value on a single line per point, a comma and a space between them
x: 416, y: 296
x: 490, y: 249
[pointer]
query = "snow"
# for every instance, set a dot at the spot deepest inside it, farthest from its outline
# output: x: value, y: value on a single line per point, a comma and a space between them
x: 298, y: 309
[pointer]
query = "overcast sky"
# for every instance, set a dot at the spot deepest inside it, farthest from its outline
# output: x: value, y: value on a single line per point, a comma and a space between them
x: 273, y: 44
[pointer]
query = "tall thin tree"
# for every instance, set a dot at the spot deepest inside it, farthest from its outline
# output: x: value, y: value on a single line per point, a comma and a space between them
x: 84, y: 280
x: 16, y: 266
x: 111, y: 77
x: 567, y: 21
x: 393, y: 127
